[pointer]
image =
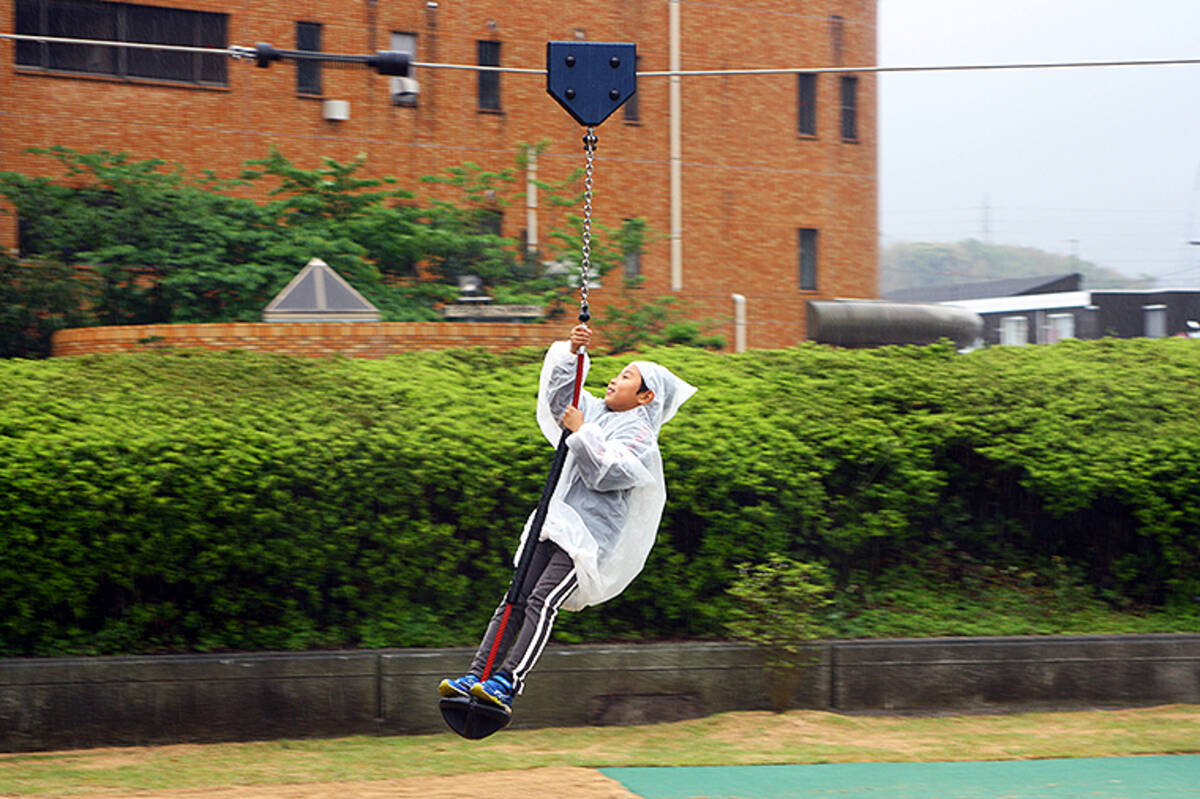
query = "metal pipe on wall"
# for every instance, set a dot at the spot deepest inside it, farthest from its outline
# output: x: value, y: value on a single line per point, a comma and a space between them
x: 676, y: 137
x: 739, y: 322
x: 531, y: 201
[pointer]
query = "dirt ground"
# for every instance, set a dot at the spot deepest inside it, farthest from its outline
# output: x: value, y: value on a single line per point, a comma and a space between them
x: 741, y: 738
x: 544, y: 783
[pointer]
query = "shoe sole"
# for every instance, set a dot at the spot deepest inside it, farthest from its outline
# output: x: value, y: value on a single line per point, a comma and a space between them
x: 446, y: 690
x: 479, y: 692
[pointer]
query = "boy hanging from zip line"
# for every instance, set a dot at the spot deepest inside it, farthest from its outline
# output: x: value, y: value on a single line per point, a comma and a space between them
x: 602, y: 517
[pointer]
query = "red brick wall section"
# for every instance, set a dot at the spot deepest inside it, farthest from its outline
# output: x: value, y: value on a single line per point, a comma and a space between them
x: 749, y: 179
x: 314, y: 339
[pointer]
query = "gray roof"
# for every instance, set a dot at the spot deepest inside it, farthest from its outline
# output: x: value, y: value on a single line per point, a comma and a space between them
x: 1011, y: 287
x: 318, y: 293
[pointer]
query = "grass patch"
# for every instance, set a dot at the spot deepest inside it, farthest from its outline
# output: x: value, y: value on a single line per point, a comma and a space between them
x: 974, y: 599
x: 747, y: 738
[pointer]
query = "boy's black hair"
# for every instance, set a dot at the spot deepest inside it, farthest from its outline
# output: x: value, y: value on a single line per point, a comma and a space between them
x: 643, y: 387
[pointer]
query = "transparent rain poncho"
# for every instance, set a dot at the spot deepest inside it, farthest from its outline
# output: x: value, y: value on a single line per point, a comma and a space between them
x: 605, y: 510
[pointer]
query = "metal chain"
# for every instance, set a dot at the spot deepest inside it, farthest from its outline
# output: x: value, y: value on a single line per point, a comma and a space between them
x: 585, y: 263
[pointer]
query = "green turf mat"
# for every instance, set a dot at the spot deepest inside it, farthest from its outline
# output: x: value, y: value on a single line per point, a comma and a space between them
x: 1174, y: 776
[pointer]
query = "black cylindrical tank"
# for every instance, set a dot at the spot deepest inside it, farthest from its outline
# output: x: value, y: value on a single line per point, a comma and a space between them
x: 874, y: 323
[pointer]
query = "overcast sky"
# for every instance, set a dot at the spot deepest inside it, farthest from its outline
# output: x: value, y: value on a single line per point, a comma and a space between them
x: 1100, y: 162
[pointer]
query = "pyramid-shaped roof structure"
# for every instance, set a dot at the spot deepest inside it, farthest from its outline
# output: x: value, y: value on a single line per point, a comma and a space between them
x: 319, y: 294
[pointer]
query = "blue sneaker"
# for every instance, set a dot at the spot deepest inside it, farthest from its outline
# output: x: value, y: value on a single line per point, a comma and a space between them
x: 497, y: 690
x: 458, y: 686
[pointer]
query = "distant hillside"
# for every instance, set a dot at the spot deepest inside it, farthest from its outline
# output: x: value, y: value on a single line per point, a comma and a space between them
x: 912, y: 264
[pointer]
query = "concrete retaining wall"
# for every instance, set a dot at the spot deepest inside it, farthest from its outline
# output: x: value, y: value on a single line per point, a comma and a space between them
x: 81, y: 702
x: 1015, y: 674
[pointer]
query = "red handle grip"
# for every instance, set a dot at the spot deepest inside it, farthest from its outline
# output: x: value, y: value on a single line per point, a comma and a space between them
x: 578, y: 378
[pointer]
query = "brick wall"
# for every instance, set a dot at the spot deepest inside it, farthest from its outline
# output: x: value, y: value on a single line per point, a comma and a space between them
x: 352, y: 339
x: 749, y: 180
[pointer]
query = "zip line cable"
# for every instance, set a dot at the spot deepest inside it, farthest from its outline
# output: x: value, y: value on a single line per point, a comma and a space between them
x: 174, y: 48
x: 1144, y: 62
x: 237, y: 52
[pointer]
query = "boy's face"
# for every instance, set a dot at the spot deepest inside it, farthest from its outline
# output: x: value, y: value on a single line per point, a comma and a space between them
x: 623, y: 394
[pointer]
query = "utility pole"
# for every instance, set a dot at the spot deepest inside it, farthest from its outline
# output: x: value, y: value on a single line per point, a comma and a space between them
x: 1073, y: 253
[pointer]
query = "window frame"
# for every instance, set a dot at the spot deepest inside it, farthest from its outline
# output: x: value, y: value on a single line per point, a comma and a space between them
x: 1154, y: 321
x: 184, y: 27
x: 631, y: 261
x: 1009, y: 325
x: 806, y: 104
x: 309, y: 78
x: 849, y: 103
x: 1056, y: 331
x: 807, y: 257
x: 488, y: 83
x: 490, y: 222
x: 837, y: 38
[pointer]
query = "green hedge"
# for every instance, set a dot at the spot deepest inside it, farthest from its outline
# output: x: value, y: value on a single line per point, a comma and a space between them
x: 189, y: 501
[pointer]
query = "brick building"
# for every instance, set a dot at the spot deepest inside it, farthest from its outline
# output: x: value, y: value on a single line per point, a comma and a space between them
x: 775, y: 190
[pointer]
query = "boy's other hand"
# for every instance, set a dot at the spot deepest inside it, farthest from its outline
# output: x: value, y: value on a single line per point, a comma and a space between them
x: 572, y: 418
x: 581, y: 336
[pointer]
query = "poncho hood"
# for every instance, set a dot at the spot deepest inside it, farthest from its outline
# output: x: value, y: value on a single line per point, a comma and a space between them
x: 669, y: 392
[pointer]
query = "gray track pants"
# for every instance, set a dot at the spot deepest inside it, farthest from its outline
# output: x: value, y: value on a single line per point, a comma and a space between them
x: 550, y: 580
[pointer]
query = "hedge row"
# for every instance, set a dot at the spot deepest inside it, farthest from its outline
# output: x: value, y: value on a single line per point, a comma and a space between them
x: 184, y: 501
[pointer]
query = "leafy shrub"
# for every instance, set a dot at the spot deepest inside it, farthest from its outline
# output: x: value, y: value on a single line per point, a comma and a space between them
x: 778, y: 606
x: 195, y: 501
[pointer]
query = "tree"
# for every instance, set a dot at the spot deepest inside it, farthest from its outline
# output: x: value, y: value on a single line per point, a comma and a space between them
x: 147, y: 233
x: 37, y: 298
x: 169, y: 249
x: 634, y: 321
x: 777, y: 607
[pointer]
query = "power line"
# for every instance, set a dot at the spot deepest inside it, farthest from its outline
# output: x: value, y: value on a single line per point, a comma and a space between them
x: 1178, y: 272
x: 238, y: 52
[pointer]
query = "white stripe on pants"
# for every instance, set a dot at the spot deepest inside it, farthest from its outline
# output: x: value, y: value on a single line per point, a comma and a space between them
x: 549, y: 582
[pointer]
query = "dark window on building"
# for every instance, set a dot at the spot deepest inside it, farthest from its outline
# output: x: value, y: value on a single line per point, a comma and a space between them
x: 308, y: 73
x: 806, y: 104
x: 489, y: 82
x: 632, y: 257
x: 122, y: 22
x: 849, y: 107
x: 25, y: 242
x: 837, y: 38
x: 631, y: 109
x: 490, y: 222
x: 808, y: 258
